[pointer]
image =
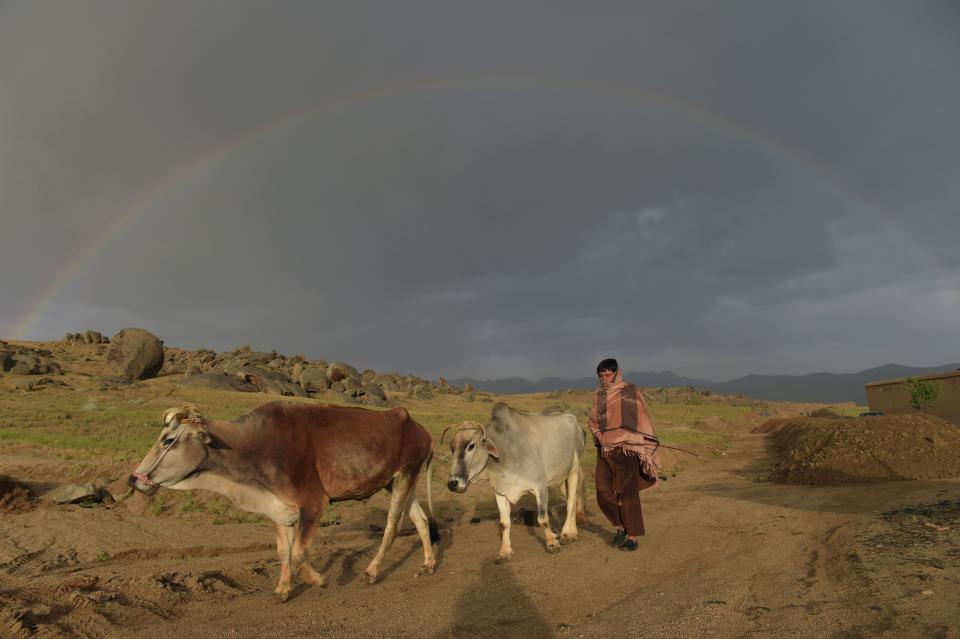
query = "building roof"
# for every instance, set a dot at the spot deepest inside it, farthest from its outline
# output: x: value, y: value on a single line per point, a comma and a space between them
x: 900, y: 380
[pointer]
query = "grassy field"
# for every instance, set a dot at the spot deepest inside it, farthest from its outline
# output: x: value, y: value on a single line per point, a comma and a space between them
x: 81, y: 434
x: 116, y: 426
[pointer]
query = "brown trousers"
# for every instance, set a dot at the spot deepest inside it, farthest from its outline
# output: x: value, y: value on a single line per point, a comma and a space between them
x: 618, y: 490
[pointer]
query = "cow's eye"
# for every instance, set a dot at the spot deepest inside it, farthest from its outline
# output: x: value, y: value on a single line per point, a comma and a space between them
x: 471, y: 447
x: 168, y: 441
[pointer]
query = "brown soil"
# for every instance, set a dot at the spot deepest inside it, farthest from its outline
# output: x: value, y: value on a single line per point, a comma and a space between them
x: 725, y: 555
x: 866, y: 449
x: 773, y: 425
x: 15, y: 497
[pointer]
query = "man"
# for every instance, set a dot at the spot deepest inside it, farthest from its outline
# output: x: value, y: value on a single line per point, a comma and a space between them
x: 628, y: 460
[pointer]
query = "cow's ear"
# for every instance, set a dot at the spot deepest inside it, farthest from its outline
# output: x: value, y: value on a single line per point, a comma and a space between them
x: 492, y: 450
x: 205, y: 437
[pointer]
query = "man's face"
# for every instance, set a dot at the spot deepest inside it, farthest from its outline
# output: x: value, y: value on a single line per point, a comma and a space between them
x: 606, y: 376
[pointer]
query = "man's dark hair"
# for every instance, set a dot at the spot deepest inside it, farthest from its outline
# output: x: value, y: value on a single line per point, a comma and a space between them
x: 608, y: 364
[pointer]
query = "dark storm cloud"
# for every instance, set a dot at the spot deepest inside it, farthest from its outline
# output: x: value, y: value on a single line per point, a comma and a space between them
x: 484, y: 190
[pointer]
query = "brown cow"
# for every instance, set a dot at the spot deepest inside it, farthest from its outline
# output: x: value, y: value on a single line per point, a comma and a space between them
x: 288, y: 460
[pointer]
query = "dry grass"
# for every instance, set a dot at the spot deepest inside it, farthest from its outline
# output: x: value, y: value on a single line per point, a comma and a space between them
x: 93, y: 427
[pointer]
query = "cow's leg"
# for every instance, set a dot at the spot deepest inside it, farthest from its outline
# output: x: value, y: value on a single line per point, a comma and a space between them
x: 419, y: 519
x: 582, y: 499
x: 568, y: 533
x: 301, y: 546
x: 285, y: 536
x: 506, y: 551
x: 398, y: 498
x: 543, y: 518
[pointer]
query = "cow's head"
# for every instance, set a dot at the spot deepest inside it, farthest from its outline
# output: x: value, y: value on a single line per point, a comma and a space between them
x: 471, y: 450
x: 178, y: 453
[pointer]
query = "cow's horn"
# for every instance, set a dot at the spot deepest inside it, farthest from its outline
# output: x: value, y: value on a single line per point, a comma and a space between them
x: 444, y: 434
x: 169, y: 415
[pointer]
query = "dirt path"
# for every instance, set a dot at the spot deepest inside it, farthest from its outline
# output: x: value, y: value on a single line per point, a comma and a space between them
x: 725, y: 556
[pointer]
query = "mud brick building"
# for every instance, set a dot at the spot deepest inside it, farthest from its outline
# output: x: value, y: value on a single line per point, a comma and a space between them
x: 892, y: 397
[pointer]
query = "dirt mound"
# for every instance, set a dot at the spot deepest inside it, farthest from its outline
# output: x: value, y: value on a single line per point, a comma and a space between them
x: 825, y: 412
x: 774, y: 425
x: 865, y: 449
x: 15, y: 497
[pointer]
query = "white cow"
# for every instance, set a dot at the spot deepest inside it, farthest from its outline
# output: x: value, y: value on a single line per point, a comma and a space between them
x: 519, y: 453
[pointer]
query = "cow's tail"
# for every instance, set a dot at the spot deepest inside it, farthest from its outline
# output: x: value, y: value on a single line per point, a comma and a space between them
x: 432, y: 521
x: 582, y: 486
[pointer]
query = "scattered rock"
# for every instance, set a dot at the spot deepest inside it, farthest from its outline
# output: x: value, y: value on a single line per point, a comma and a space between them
x: 421, y: 391
x: 22, y: 368
x: 218, y: 381
x: 373, y: 390
x: 73, y: 493
x: 86, y: 337
x: 43, y: 382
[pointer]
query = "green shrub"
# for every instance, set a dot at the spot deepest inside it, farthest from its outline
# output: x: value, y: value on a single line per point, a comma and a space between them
x: 924, y: 393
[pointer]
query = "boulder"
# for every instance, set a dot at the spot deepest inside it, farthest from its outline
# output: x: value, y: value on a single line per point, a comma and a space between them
x: 135, y: 354
x: 373, y: 390
x: 339, y: 371
x: 297, y: 372
x: 388, y: 381
x: 351, y: 386
x: 338, y: 387
x: 22, y: 367
x: 274, y: 386
x: 218, y: 381
x: 6, y: 361
x: 371, y: 400
x: 92, y: 337
x: 422, y: 391
x: 314, y: 380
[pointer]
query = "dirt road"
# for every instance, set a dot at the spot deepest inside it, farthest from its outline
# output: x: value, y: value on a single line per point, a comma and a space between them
x: 725, y: 555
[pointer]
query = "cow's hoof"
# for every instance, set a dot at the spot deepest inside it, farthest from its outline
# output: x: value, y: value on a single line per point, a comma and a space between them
x: 369, y: 578
x: 504, y: 556
x: 311, y: 576
x: 281, y: 595
x: 567, y: 539
x: 553, y: 548
x: 427, y: 569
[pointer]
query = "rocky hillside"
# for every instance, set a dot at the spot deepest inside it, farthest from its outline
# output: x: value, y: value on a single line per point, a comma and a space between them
x: 133, y: 355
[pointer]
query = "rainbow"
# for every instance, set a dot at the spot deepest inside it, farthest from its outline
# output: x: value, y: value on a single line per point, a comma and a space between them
x: 195, y: 168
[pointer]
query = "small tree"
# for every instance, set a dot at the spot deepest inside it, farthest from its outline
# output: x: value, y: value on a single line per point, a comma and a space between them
x: 923, y: 393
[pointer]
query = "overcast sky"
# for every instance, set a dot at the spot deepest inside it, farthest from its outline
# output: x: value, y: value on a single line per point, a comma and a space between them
x: 489, y: 189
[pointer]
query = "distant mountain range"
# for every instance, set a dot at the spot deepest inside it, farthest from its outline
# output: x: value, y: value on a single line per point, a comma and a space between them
x: 827, y: 388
